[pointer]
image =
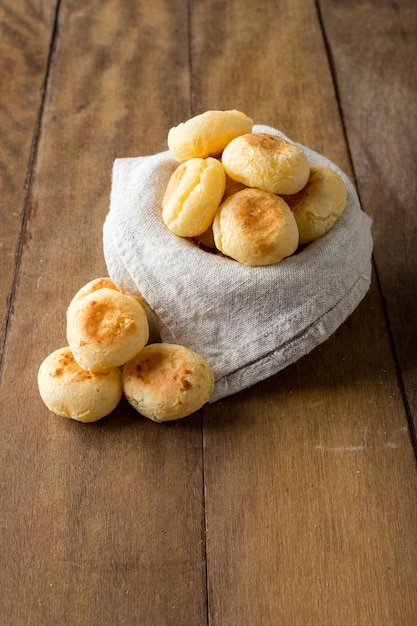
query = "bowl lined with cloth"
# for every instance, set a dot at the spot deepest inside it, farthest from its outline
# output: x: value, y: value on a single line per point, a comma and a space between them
x: 247, y: 322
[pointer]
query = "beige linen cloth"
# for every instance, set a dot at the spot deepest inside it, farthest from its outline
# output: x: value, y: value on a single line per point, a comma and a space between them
x: 248, y: 322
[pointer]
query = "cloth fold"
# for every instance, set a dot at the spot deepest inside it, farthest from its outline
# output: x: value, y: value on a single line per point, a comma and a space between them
x: 248, y: 322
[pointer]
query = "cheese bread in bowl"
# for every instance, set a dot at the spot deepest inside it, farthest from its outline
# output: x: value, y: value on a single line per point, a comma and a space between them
x: 255, y: 227
x: 267, y: 162
x: 318, y: 205
x: 207, y: 134
x: 193, y: 195
x: 106, y: 282
x: 166, y: 382
x: 70, y: 391
x: 105, y: 329
x: 247, y: 322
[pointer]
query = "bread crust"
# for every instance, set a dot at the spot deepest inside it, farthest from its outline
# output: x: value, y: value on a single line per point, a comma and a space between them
x: 255, y: 227
x: 105, y: 329
x: 193, y: 195
x: 207, y: 134
x: 167, y: 382
x: 69, y: 391
x: 95, y: 285
x: 266, y: 162
x: 319, y: 204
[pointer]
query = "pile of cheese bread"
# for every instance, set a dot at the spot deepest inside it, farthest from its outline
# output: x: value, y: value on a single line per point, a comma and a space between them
x: 109, y: 354
x: 251, y: 196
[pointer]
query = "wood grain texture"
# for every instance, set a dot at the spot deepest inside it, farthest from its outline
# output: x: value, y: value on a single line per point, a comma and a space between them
x: 263, y: 61
x: 311, y: 491
x: 291, y: 503
x: 25, y: 34
x: 305, y: 485
x: 373, y: 45
x: 100, y: 525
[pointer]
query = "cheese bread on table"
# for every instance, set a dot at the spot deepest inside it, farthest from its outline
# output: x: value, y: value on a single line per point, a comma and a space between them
x: 193, y: 195
x: 318, y: 205
x: 166, y: 382
x: 266, y: 162
x: 99, y: 283
x: 70, y: 391
x: 207, y: 134
x: 255, y: 227
x: 105, y: 329
x: 105, y: 281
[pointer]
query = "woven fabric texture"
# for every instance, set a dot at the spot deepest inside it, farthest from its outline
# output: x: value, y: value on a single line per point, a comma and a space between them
x: 248, y: 322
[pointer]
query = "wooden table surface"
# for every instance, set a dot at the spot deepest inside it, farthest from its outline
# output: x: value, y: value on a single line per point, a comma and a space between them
x: 293, y: 502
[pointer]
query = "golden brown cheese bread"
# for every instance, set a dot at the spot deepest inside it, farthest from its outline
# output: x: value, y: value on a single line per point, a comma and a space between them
x: 255, y: 227
x: 318, y: 205
x: 193, y: 195
x: 105, y: 329
x: 99, y: 283
x: 207, y: 134
x: 70, y: 391
x: 166, y: 382
x: 266, y: 162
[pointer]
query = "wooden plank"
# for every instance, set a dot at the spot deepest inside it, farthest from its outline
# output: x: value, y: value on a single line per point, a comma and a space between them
x: 25, y: 33
x: 101, y: 523
x: 372, y: 45
x: 311, y: 491
x: 255, y: 66
x: 309, y: 477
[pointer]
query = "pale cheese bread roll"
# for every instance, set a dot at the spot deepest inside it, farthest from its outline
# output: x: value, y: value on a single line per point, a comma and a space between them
x: 70, y: 391
x: 255, y: 227
x: 105, y: 281
x: 100, y: 283
x: 318, y: 205
x: 166, y: 382
x: 207, y: 134
x: 193, y: 195
x: 266, y: 162
x: 105, y: 329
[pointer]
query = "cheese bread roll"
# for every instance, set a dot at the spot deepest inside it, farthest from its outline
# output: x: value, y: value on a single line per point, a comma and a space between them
x: 318, y: 205
x: 193, y: 195
x: 255, y: 227
x: 100, y: 283
x: 70, y: 391
x: 166, y: 382
x: 207, y: 134
x: 266, y: 162
x: 105, y: 329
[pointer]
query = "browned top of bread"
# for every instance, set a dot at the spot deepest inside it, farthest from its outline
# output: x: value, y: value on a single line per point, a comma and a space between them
x: 106, y: 328
x: 103, y: 323
x: 255, y: 227
x: 266, y: 162
x: 166, y: 381
x: 67, y: 368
